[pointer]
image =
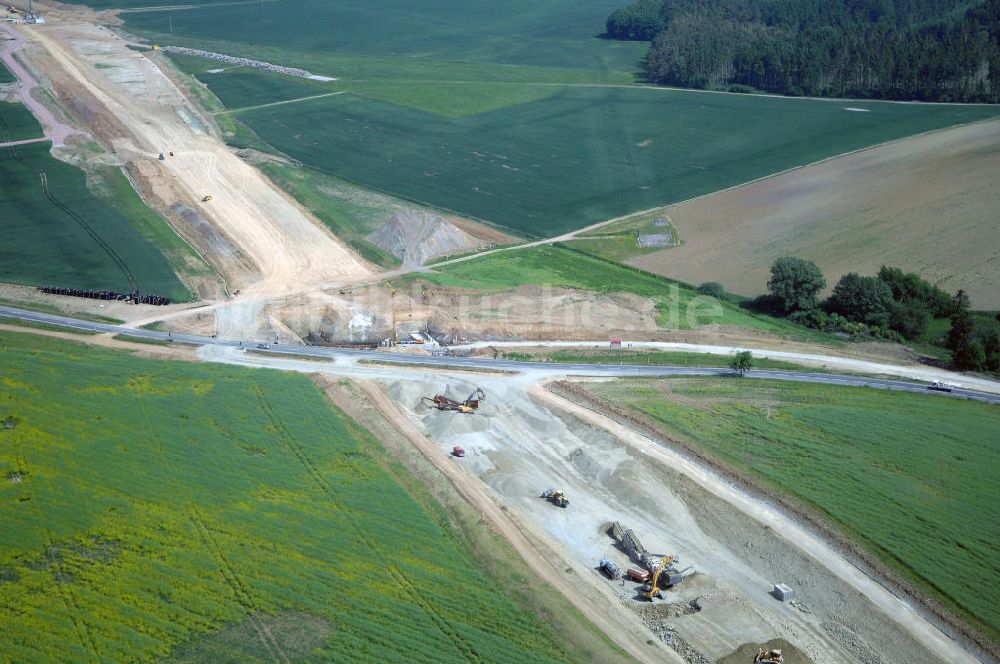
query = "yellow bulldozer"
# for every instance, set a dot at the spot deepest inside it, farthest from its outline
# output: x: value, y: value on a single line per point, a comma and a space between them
x: 556, y: 497
x: 207, y: 198
x: 768, y: 657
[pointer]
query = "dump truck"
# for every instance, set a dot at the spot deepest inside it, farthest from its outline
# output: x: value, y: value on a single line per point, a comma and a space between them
x: 207, y: 198
x: 457, y: 451
x: 556, y: 497
x: 768, y: 657
x: 469, y: 406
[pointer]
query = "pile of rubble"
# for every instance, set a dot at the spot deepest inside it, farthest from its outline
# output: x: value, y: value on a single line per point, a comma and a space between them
x: 243, y: 62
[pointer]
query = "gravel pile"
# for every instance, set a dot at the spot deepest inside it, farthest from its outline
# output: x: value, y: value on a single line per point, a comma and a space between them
x: 244, y: 62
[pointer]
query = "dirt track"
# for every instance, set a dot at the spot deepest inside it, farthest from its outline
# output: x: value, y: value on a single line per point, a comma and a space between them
x: 263, y: 241
x: 926, y: 204
x: 55, y: 130
x: 599, y: 607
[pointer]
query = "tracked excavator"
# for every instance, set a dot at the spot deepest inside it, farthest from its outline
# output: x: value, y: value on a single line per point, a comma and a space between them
x: 663, y: 578
x: 469, y: 406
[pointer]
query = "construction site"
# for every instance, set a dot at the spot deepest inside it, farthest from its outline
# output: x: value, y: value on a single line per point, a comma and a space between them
x: 670, y: 559
x: 655, y: 540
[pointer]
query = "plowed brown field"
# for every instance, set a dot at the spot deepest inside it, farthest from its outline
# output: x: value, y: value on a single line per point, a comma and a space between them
x: 927, y: 204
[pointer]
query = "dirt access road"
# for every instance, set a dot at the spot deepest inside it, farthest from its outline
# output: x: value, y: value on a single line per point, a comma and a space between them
x: 262, y: 240
x: 524, y: 440
x: 55, y: 130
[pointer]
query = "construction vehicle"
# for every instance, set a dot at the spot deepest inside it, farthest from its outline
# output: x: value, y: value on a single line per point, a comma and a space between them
x: 637, y: 575
x: 768, y: 657
x: 161, y: 157
x: 458, y: 451
x: 469, y: 406
x: 663, y: 572
x: 663, y: 578
x: 556, y: 497
x: 609, y: 569
x: 207, y: 198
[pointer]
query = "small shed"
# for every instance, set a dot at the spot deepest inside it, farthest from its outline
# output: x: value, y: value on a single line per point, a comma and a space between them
x: 783, y: 592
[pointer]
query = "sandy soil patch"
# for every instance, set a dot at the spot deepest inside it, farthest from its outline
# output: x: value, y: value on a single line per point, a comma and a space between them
x: 926, y: 204
x: 261, y: 240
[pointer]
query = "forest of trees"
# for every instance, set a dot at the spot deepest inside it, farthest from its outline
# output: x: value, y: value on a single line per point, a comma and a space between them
x: 929, y: 50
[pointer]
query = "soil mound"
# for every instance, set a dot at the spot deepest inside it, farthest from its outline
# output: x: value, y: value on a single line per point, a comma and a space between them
x: 416, y: 236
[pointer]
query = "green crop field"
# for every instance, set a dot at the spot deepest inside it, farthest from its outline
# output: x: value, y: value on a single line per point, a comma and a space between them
x: 517, y: 32
x: 679, y: 306
x: 515, y: 113
x: 5, y: 74
x: 911, y: 477
x: 565, y: 156
x: 107, y: 233
x: 17, y: 123
x: 182, y: 512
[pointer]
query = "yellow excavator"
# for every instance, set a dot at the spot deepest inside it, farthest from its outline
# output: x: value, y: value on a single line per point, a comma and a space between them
x: 661, y: 579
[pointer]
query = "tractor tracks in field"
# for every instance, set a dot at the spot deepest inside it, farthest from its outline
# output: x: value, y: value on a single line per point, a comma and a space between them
x: 239, y: 588
x: 53, y: 560
x: 89, y: 230
x: 398, y: 577
x: 292, y: 445
x: 440, y: 621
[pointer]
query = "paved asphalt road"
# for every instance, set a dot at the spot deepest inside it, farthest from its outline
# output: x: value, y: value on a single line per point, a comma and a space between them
x: 444, y: 361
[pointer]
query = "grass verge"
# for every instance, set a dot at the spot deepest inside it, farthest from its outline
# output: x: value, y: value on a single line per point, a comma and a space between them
x: 643, y: 357
x: 679, y: 306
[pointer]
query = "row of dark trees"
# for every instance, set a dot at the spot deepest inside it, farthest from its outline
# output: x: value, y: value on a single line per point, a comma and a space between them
x: 930, y: 50
x: 892, y: 304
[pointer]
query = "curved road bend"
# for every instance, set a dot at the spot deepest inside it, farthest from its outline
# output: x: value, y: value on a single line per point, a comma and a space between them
x: 490, y: 364
x: 53, y: 129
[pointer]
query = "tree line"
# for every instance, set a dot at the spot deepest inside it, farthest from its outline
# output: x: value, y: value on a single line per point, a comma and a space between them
x: 892, y: 304
x: 928, y: 50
